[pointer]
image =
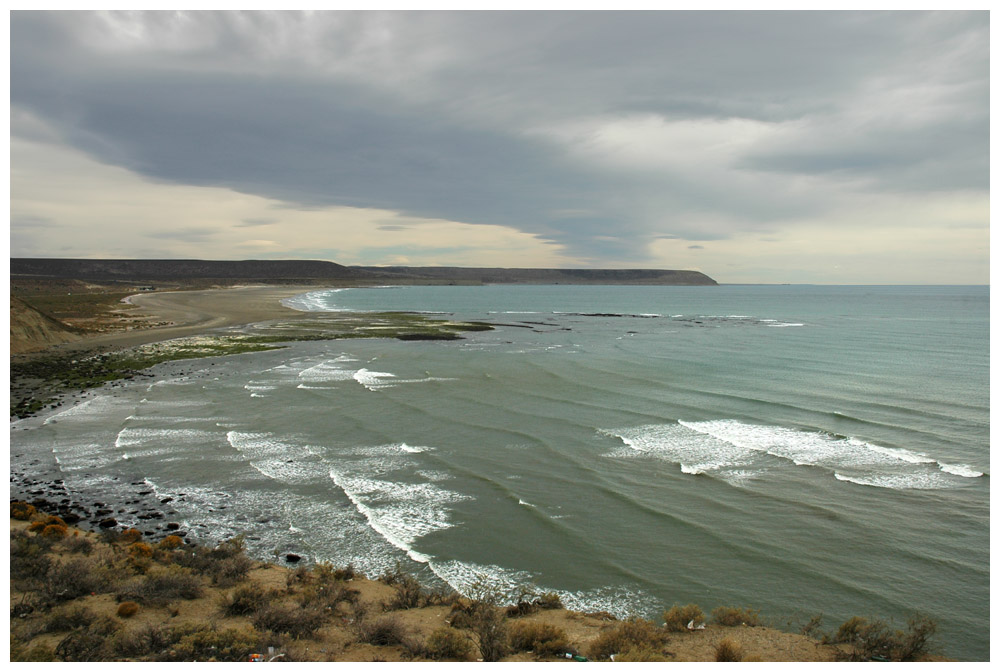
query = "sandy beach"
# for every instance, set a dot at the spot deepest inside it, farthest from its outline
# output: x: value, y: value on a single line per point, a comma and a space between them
x: 192, y: 312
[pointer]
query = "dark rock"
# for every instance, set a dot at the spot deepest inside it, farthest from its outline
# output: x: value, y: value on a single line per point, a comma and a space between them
x: 173, y: 526
x: 292, y: 557
x: 108, y: 523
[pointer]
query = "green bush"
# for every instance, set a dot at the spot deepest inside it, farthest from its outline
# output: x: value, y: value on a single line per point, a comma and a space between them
x: 733, y: 616
x: 448, y: 644
x: 544, y: 639
x: 676, y: 618
x: 635, y: 633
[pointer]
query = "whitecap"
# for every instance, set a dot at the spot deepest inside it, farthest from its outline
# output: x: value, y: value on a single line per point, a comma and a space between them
x: 963, y: 470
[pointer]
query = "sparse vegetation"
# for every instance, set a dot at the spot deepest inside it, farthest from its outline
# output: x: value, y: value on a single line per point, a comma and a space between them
x: 82, y: 597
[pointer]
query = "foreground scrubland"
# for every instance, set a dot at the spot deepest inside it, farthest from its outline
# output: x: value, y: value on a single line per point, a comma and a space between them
x: 123, y: 595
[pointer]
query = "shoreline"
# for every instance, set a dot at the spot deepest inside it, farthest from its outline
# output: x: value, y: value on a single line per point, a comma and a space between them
x: 192, y: 312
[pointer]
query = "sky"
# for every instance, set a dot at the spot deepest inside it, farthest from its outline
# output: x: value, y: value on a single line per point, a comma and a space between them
x: 756, y: 147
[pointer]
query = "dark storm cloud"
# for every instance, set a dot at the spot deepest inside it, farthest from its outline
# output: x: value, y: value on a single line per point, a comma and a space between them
x: 458, y: 115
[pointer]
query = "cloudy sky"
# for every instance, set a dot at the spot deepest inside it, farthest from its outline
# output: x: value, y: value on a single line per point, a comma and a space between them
x: 847, y: 147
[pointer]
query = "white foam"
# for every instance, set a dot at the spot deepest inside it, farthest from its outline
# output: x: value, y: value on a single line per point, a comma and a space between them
x: 130, y: 437
x: 470, y: 579
x: 963, y: 470
x: 918, y: 481
x: 314, y: 302
x: 804, y: 447
x: 734, y: 451
x: 399, y: 512
x: 373, y: 380
x: 327, y: 371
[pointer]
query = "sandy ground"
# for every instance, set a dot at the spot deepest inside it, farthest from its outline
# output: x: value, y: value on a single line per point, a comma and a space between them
x: 193, y: 312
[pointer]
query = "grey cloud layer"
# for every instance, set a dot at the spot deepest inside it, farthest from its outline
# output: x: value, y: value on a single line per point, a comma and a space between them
x: 460, y: 115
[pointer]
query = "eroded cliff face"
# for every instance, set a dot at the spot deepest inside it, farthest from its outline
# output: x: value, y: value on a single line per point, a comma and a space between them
x: 31, y: 331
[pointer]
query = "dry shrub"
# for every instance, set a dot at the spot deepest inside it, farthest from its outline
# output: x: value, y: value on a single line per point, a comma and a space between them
x: 291, y: 619
x: 161, y: 585
x: 203, y: 642
x: 63, y: 619
x: 385, y: 631
x: 170, y: 542
x: 549, y: 601
x: 71, y: 579
x: 327, y: 596
x: 38, y: 653
x: 230, y: 571
x: 128, y: 609
x: 635, y: 633
x: 144, y: 640
x: 55, y: 531
x: 92, y: 643
x: 140, y: 550
x: 29, y: 562
x: 676, y: 618
x: 346, y: 573
x: 21, y: 510
x: 78, y: 544
x: 733, y: 616
x: 448, y: 644
x: 874, y: 639
x: 543, y: 639
x: 409, y: 593
x: 130, y: 536
x: 246, y: 599
x: 728, y: 651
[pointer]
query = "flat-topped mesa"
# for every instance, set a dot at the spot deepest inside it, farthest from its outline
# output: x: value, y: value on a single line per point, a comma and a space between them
x: 180, y: 269
x: 291, y: 270
x: 542, y: 276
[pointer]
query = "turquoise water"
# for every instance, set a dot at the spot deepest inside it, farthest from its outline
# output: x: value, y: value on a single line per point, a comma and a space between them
x: 798, y: 449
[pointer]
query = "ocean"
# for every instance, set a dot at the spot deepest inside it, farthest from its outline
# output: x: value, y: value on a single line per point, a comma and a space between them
x: 801, y: 450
